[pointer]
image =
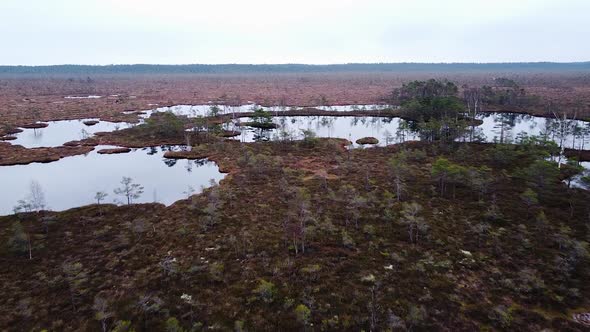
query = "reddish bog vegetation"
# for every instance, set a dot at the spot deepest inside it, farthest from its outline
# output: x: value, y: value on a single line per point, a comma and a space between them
x: 305, y: 235
x: 23, y: 100
x: 301, y: 235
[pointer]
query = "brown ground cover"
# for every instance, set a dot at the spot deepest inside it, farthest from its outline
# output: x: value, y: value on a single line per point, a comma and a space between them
x: 231, y: 249
x: 487, y: 260
x: 114, y: 151
x: 18, y: 155
x: 25, y: 100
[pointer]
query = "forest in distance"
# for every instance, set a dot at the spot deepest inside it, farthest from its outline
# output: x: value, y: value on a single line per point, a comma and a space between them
x: 518, y: 67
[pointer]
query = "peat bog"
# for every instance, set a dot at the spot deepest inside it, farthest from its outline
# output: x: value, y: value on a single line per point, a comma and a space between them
x: 461, y: 217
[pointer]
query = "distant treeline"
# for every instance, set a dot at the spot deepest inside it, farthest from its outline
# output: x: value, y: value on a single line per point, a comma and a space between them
x: 294, y: 68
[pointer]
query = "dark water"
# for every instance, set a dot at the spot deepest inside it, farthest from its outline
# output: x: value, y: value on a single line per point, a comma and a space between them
x: 73, y: 181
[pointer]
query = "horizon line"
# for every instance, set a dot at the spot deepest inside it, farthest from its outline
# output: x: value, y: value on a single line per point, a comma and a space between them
x: 301, y: 64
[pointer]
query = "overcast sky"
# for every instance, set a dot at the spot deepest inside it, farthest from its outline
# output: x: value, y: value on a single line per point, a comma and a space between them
x: 41, y: 32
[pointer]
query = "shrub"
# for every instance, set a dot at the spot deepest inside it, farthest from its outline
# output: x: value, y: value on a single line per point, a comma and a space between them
x: 303, y: 314
x: 309, y: 138
x: 239, y: 326
x: 172, y: 325
x: 265, y: 291
x: 123, y: 326
x: 347, y: 240
x: 18, y: 242
x: 262, y: 118
x: 311, y: 271
x: 216, y: 271
x: 530, y: 198
x: 369, y: 230
x: 540, y: 174
x: 165, y: 124
x: 500, y: 316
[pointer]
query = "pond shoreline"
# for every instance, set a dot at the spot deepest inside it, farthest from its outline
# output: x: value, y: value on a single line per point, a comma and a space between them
x: 13, y: 154
x: 72, y: 182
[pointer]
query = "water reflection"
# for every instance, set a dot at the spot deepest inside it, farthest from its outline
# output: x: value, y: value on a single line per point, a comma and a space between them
x: 60, y: 132
x: 73, y: 181
x: 496, y: 128
x: 350, y: 108
x: 513, y: 127
x: 193, y: 111
x: 386, y: 130
x: 210, y: 109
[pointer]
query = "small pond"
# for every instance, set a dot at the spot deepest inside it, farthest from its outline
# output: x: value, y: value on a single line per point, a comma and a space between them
x: 515, y: 124
x: 204, y: 110
x: 350, y: 108
x: 509, y: 126
x: 83, y: 97
x: 386, y: 130
x: 192, y: 111
x: 60, y: 132
x: 73, y: 181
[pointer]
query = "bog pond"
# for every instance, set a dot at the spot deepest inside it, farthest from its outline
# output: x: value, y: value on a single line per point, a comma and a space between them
x: 386, y: 130
x: 59, y: 132
x: 569, y: 133
x: 73, y: 181
x: 495, y: 127
x: 204, y: 110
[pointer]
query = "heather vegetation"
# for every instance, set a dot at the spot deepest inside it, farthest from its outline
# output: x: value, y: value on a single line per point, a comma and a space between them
x: 445, y: 233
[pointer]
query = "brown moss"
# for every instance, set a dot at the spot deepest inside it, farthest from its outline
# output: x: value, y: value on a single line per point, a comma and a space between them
x: 184, y: 155
x: 85, y: 142
x: 114, y: 151
x: 13, y: 131
x: 474, y: 122
x: 258, y: 125
x: 18, y: 155
x: 580, y: 155
x: 228, y: 133
x: 36, y: 125
x: 367, y: 140
x: 123, y: 247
